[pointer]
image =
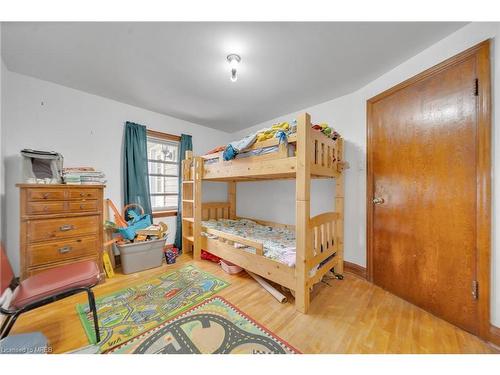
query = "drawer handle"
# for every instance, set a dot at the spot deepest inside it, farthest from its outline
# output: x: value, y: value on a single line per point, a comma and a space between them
x: 46, y: 195
x: 64, y: 249
x: 66, y: 227
x: 82, y: 194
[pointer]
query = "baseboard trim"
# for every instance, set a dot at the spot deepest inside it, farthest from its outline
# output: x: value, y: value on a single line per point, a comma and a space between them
x: 494, y: 336
x: 355, y: 269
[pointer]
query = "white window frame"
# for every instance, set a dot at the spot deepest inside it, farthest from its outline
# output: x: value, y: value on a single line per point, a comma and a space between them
x: 156, y: 139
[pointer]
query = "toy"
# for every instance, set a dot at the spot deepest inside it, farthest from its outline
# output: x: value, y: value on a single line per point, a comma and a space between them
x: 170, y: 256
x: 108, y: 267
x: 158, y: 230
x: 326, y: 130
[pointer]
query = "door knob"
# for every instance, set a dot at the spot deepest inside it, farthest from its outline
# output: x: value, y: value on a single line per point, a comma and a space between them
x: 378, y: 200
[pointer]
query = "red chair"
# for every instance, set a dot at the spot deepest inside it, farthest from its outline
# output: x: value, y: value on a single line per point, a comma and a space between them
x: 47, y: 287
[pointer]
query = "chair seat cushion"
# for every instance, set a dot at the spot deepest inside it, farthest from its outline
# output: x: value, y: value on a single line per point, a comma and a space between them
x: 56, y: 280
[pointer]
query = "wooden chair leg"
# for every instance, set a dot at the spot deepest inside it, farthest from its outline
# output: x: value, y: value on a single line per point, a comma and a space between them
x: 93, y: 308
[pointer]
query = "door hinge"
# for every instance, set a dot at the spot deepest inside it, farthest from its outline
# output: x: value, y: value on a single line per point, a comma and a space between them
x: 475, y: 289
x: 476, y: 87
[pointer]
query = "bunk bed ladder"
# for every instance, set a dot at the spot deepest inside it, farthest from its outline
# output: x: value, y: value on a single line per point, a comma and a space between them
x: 187, y: 195
x: 197, y: 172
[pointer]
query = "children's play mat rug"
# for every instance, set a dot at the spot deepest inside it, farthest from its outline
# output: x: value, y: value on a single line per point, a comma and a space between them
x: 135, y: 310
x: 214, y: 326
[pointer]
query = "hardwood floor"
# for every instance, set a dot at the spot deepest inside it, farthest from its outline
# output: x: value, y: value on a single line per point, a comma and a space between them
x: 350, y: 316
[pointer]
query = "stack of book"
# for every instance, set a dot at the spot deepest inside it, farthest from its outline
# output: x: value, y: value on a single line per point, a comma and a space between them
x: 83, y: 176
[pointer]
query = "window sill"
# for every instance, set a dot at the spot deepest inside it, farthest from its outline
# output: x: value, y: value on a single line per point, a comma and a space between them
x: 164, y: 213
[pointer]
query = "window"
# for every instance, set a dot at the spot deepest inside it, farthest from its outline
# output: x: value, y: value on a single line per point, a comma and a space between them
x: 163, y: 169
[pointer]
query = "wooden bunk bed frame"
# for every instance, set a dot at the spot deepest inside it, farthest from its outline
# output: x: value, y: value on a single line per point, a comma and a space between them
x: 317, y: 238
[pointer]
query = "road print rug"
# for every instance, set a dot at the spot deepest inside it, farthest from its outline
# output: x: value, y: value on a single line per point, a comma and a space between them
x: 132, y: 311
x: 214, y: 326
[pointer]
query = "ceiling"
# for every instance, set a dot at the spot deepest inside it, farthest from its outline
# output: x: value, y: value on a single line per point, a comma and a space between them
x: 180, y: 69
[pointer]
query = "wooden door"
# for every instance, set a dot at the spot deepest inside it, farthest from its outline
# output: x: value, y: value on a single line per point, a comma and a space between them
x: 427, y: 176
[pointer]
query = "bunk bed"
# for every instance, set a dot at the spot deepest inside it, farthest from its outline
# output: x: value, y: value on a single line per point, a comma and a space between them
x: 318, y: 240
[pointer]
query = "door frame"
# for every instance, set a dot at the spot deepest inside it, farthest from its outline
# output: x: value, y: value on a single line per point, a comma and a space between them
x: 483, y: 164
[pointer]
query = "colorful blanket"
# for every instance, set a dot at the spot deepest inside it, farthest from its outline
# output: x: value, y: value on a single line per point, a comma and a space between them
x: 281, y: 131
x: 278, y: 243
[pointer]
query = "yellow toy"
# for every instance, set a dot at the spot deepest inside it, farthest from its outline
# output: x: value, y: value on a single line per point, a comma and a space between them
x: 269, y: 133
x: 108, y: 268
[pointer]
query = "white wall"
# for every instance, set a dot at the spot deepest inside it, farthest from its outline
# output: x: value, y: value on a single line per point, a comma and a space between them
x: 86, y: 129
x: 348, y: 115
x: 2, y: 175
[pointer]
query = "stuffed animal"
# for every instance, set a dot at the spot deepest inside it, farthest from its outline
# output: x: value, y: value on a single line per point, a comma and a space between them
x: 326, y: 130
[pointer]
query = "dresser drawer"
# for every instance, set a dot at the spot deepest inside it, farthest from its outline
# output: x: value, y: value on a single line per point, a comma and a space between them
x: 30, y: 271
x: 51, y: 252
x: 52, y: 229
x: 33, y: 208
x: 46, y: 194
x: 82, y: 206
x: 83, y: 193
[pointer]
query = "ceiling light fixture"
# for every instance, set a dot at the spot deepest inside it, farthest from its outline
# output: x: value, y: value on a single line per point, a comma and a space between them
x: 233, y: 61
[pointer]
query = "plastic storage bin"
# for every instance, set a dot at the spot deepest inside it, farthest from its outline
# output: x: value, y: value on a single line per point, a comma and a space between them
x: 141, y: 256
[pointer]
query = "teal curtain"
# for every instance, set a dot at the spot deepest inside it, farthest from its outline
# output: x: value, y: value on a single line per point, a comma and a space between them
x: 135, y: 167
x: 186, y: 144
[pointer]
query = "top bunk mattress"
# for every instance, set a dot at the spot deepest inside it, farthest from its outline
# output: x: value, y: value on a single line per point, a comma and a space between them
x: 278, y: 243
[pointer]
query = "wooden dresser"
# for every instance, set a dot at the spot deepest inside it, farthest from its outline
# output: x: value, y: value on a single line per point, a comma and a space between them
x: 60, y: 224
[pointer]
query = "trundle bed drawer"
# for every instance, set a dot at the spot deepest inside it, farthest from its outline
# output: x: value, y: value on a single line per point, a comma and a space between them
x: 51, y: 252
x: 52, y: 229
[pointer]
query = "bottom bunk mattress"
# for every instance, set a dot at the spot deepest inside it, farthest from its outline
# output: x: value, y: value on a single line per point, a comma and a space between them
x: 278, y: 242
